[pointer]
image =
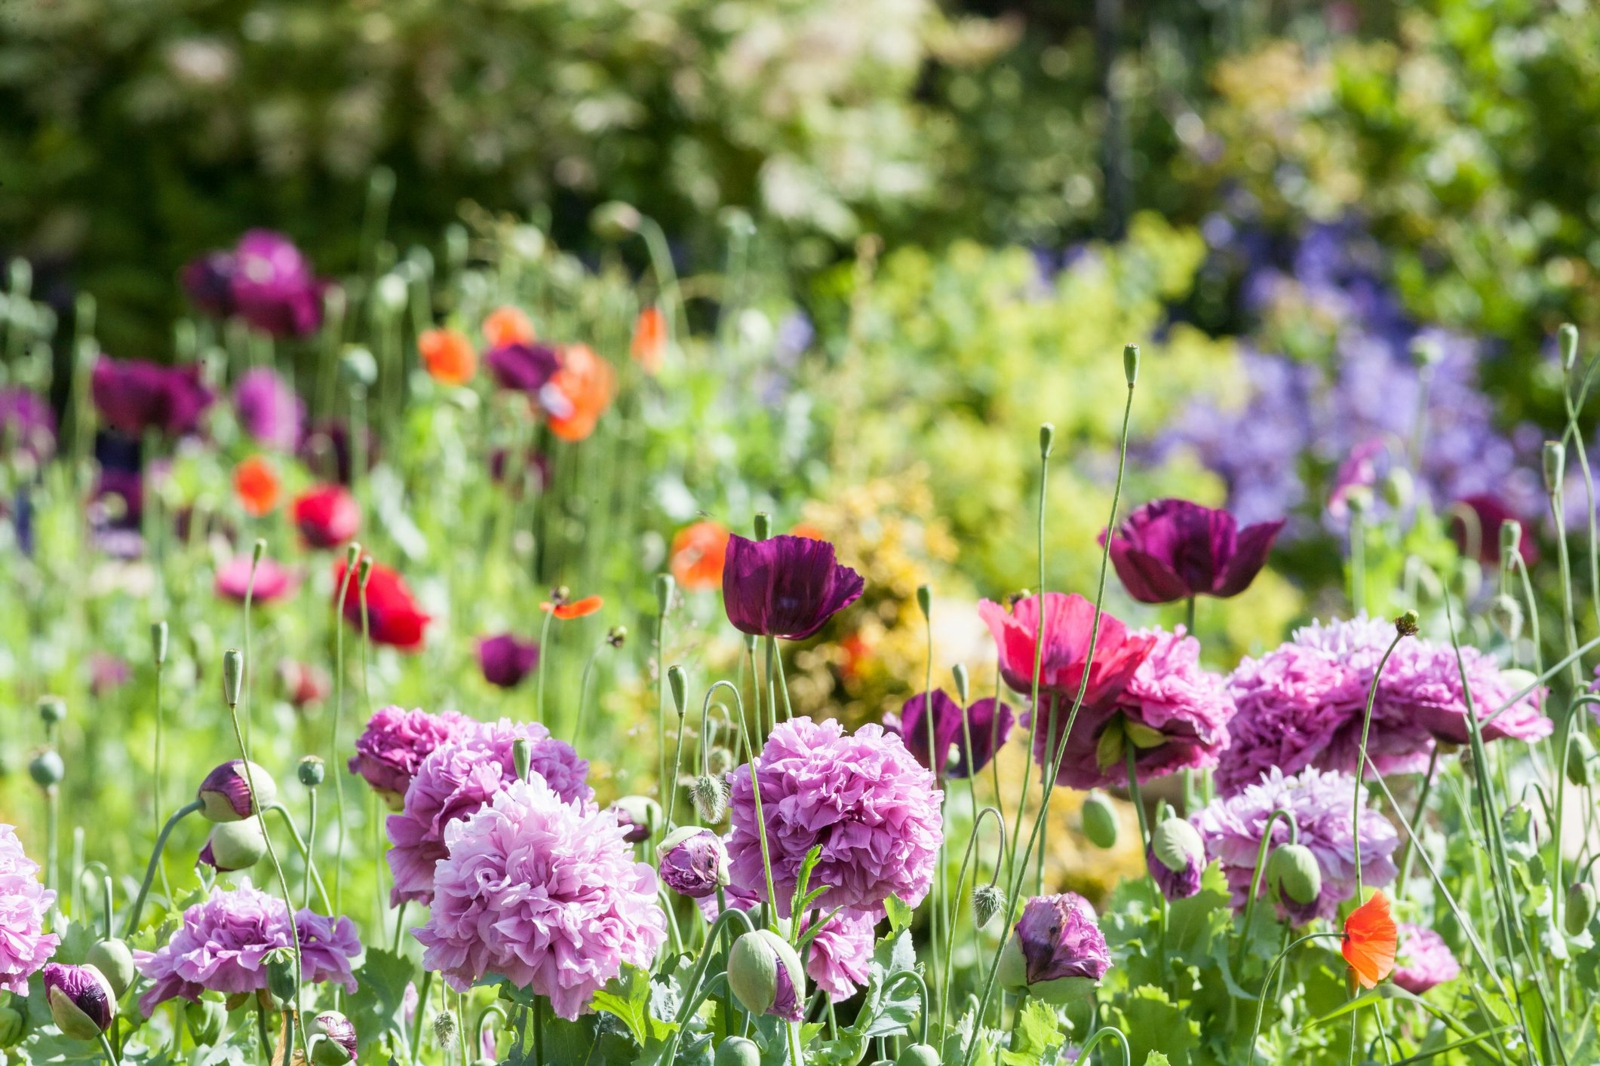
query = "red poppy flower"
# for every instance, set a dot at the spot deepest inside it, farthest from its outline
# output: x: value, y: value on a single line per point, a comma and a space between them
x: 576, y: 609
x: 327, y: 516
x: 256, y: 484
x: 1068, y: 629
x: 582, y: 392
x: 698, y: 554
x: 392, y: 615
x: 447, y: 355
x: 507, y: 325
x: 1370, y: 940
x: 649, y: 348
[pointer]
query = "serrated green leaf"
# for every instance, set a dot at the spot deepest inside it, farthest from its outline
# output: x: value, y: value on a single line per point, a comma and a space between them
x: 1038, y: 1030
x: 899, y: 913
x: 376, y: 1005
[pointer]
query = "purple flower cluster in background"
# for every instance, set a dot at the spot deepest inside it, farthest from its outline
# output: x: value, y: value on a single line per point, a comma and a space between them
x: 264, y: 280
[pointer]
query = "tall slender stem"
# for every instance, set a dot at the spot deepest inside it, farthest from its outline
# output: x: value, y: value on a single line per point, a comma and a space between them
x: 335, y: 765
x: 155, y: 857
x: 1361, y: 761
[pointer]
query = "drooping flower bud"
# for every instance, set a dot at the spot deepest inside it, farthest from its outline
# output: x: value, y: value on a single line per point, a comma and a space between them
x: 82, y: 1002
x: 338, y: 1045
x: 987, y: 901
x: 1580, y: 759
x: 232, y: 676
x: 738, y: 1051
x: 766, y: 975
x: 234, y: 845
x: 311, y: 771
x: 638, y: 815
x: 52, y: 710
x: 1294, y: 875
x: 1580, y: 907
x: 1176, y: 858
x: 14, y: 1026
x: 1506, y: 614
x: 114, y: 959
x: 694, y: 861
x: 1056, y: 951
x: 444, y: 1028
x: 1099, y: 820
x: 710, y: 797
x: 46, y: 768
x: 204, y: 1020
x: 225, y: 793
x: 614, y: 220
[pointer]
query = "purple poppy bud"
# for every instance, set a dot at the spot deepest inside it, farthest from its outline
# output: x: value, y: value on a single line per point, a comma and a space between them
x: 766, y: 975
x: 694, y: 861
x: 225, y: 793
x: 1176, y: 858
x: 268, y: 408
x: 1172, y: 549
x: 506, y: 659
x: 522, y: 367
x: 638, y: 816
x: 82, y: 1002
x: 339, y: 1044
x: 1057, y: 951
x: 786, y: 586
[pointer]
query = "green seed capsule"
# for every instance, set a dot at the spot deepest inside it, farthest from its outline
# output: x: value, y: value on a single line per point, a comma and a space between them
x: 737, y: 1051
x: 1099, y: 820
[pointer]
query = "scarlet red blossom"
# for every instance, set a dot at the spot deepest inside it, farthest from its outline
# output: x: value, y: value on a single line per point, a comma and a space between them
x: 327, y: 516
x: 392, y: 614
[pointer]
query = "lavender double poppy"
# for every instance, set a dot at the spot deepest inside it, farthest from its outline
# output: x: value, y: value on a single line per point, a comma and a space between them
x: 988, y: 723
x: 786, y: 586
x: 1170, y: 550
x: 134, y: 396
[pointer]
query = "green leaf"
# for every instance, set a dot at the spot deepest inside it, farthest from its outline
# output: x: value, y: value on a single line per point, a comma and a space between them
x: 899, y: 913
x: 1154, y: 1023
x: 1156, y: 1058
x: 375, y: 1006
x: 643, y: 1006
x: 1038, y: 1030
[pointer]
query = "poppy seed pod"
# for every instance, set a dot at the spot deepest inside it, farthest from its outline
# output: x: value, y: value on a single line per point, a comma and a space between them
x: 204, y: 1020
x: 1130, y: 364
x: 52, y: 710
x: 1293, y: 873
x: 338, y: 1045
x: 1177, y: 858
x: 1580, y: 759
x: 1567, y: 341
x: 1099, y: 820
x: 115, y: 960
x: 694, y: 861
x: 225, y: 793
x: 918, y: 1055
x: 234, y: 845
x: 47, y: 769
x: 1580, y: 907
x: 738, y: 1051
x: 13, y: 1026
x: 311, y: 770
x: 82, y: 1002
x: 766, y: 975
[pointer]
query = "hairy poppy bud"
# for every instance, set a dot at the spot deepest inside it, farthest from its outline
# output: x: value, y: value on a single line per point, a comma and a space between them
x: 1047, y: 439
x: 1580, y: 907
x: 338, y: 1043
x: 311, y: 771
x: 1567, y: 341
x: 112, y: 958
x: 1554, y: 459
x: 52, y: 710
x: 522, y: 757
x: 1293, y: 873
x: 204, y: 1020
x: 46, y: 768
x: 1407, y: 624
x: 710, y: 798
x: 1580, y: 759
x: 1099, y: 820
x: 694, y: 861
x: 1130, y: 363
x: 13, y: 1026
x: 738, y: 1051
x: 678, y: 685
x: 638, y: 816
x: 1399, y: 488
x: 1506, y: 614
x: 82, y: 1002
x: 232, y: 676
x: 225, y: 793
x: 444, y: 1028
x: 234, y: 845
x: 1176, y: 858
x: 766, y: 976
x: 987, y: 901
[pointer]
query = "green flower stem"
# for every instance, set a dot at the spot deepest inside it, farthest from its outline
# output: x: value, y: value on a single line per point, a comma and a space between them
x: 105, y: 1049
x: 311, y: 864
x: 1101, y: 1034
x: 576, y: 734
x: 755, y: 791
x: 544, y: 648
x: 694, y: 993
x: 1261, y: 868
x: 422, y: 1008
x: 312, y: 876
x: 156, y: 781
x: 1261, y: 1000
x: 783, y: 680
x: 334, y: 752
x: 1573, y: 437
x: 1416, y: 819
x: 955, y: 901
x: 922, y: 990
x: 663, y: 786
x: 155, y: 858
x: 940, y: 934
x: 1361, y: 761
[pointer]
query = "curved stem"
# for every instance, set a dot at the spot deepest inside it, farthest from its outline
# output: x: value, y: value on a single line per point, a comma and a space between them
x: 334, y: 765
x: 312, y: 876
x: 106, y: 890
x: 1261, y: 1000
x: 922, y: 989
x: 1261, y: 864
x: 1103, y: 1032
x: 692, y: 997
x: 155, y: 858
x: 755, y: 791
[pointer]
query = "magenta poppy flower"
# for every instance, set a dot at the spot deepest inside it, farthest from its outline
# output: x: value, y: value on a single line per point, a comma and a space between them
x: 272, y: 285
x: 786, y: 586
x: 208, y: 282
x: 1068, y: 626
x: 326, y: 516
x: 506, y: 659
x: 268, y: 408
x: 27, y: 424
x: 522, y: 367
x: 273, y: 582
x: 1357, y: 474
x: 134, y: 396
x: 987, y: 726
x: 1172, y: 549
x: 1489, y: 513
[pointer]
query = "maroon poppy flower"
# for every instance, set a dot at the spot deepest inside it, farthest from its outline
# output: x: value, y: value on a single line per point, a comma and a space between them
x: 1068, y: 625
x: 1172, y: 549
x: 911, y: 725
x: 392, y: 615
x: 786, y: 586
x: 272, y: 286
x: 208, y: 282
x: 327, y: 516
x: 1490, y: 513
x: 506, y: 659
x: 522, y: 367
x: 134, y: 396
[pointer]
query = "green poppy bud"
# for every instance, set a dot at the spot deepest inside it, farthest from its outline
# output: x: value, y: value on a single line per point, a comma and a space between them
x: 1506, y: 614
x: 763, y: 525
x: 1555, y: 466
x: 13, y: 1026
x: 738, y: 1051
x: 1047, y: 439
x: 115, y: 960
x: 280, y: 974
x: 46, y: 768
x: 925, y: 600
x: 358, y: 366
x: 52, y: 710
x: 225, y: 794
x: 232, y: 676
x: 1580, y: 759
x: 1567, y: 340
x: 710, y: 798
x: 766, y: 976
x: 1177, y: 858
x: 444, y: 1028
x: 678, y: 685
x: 1130, y: 363
x: 1099, y: 820
x: 1510, y: 541
x: 1293, y: 873
x: 158, y: 642
x: 1580, y: 908
x: 311, y: 771
x: 234, y: 845
x: 522, y: 757
x: 963, y: 684
x: 918, y: 1055
x: 205, y: 1020
x: 664, y: 586
x: 987, y: 901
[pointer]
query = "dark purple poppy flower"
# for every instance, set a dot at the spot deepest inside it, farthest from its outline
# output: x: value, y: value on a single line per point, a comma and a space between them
x: 134, y: 396
x: 27, y: 424
x: 785, y: 587
x: 535, y: 468
x: 1488, y: 512
x: 911, y: 725
x: 272, y: 285
x: 268, y: 408
x: 507, y: 659
x: 326, y: 450
x: 208, y: 282
x: 523, y: 367
x: 1170, y: 550
x: 1056, y: 950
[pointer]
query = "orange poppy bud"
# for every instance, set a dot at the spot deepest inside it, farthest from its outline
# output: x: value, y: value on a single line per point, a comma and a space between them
x: 698, y: 554
x: 1370, y: 941
x: 649, y: 348
x: 256, y: 484
x: 584, y: 383
x: 576, y: 609
x: 448, y: 356
x: 508, y: 325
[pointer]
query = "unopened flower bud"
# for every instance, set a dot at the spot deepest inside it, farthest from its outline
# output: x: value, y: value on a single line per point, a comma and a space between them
x: 963, y: 683
x: 925, y: 600
x: 763, y: 525
x: 158, y: 642
x: 738, y: 1051
x: 225, y: 793
x: 987, y: 901
x: 1176, y: 858
x: 1567, y: 341
x: 234, y: 845
x: 1407, y: 624
x: 678, y: 685
x: 1047, y: 439
x: 1425, y: 351
x: 205, y: 1020
x: 1293, y: 873
x: 694, y: 861
x: 1580, y: 759
x: 52, y: 710
x: 1510, y: 541
x: 358, y: 366
x: 444, y: 1028
x: 638, y: 816
x: 1580, y: 908
x: 232, y: 676
x: 614, y: 220
x: 1399, y: 488
x: 46, y: 768
x: 82, y: 1002
x: 14, y: 1026
x: 664, y: 587
x: 311, y: 770
x: 280, y: 974
x: 1099, y: 820
x: 719, y: 760
x: 114, y: 959
x: 338, y: 1043
x: 766, y: 976
x: 1130, y: 363
x: 1554, y: 457
x: 1506, y: 614
x: 617, y: 636
x: 522, y: 757
x: 1056, y: 951
x: 710, y: 798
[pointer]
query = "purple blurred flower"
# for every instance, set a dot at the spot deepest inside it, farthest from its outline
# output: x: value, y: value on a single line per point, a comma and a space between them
x: 543, y: 892
x: 391, y: 748
x: 107, y: 673
x: 786, y: 586
x: 134, y: 396
x: 458, y: 777
x: 987, y: 729
x: 27, y: 424
x: 208, y: 282
x: 24, y: 901
x: 1321, y: 804
x: 694, y: 861
x: 1357, y: 474
x: 326, y: 449
x: 268, y: 408
x: 862, y: 798
x: 1424, y: 960
x: 522, y: 367
x: 1172, y: 549
x: 272, y: 286
x: 1475, y: 527
x: 506, y: 659
x: 224, y: 941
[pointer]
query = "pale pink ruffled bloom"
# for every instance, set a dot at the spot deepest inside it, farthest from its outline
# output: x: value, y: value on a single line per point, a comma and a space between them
x: 394, y: 743
x: 224, y: 941
x: 1423, y: 960
x: 457, y: 778
x: 273, y: 582
x: 545, y: 893
x: 24, y: 901
x: 840, y: 955
x: 869, y: 804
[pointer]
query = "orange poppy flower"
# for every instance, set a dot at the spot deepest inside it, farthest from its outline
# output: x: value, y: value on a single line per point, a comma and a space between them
x: 698, y: 554
x: 585, y: 383
x: 649, y: 348
x: 257, y: 486
x: 808, y: 531
x: 576, y: 609
x: 508, y: 325
x: 448, y: 356
x: 1370, y: 940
